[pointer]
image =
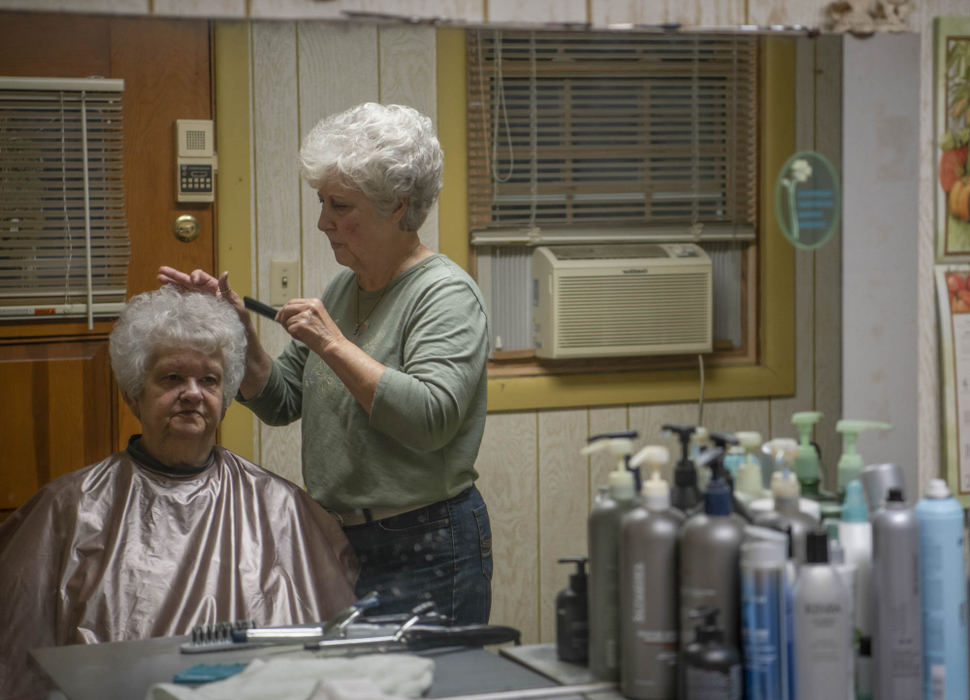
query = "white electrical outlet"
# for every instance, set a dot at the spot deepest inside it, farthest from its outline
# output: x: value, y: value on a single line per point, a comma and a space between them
x: 284, y: 281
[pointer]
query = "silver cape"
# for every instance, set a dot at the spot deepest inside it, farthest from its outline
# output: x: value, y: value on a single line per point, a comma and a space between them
x: 118, y: 551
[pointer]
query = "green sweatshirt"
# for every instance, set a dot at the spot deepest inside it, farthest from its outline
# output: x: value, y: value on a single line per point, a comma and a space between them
x: 419, y: 444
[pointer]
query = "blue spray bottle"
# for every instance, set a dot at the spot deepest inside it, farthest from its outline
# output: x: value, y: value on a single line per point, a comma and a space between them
x: 940, y: 520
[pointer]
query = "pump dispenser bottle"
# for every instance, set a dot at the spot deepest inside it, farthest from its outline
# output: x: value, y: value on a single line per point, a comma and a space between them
x: 748, y: 484
x: 572, y: 618
x: 897, y: 620
x: 787, y: 515
x: 684, y: 496
x: 712, y: 664
x: 823, y: 627
x: 603, y: 537
x: 648, y: 587
x: 807, y: 462
x: 850, y: 463
x: 942, y: 564
x: 855, y: 536
x: 723, y: 442
x: 710, y: 543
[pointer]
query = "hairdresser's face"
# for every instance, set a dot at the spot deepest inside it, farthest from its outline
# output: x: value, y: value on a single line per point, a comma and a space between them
x: 358, y: 234
x: 181, y: 406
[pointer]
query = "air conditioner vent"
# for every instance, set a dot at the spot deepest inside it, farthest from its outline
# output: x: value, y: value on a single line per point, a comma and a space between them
x: 646, y: 299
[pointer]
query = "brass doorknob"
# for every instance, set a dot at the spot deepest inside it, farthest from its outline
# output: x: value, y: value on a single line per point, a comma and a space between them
x: 186, y: 228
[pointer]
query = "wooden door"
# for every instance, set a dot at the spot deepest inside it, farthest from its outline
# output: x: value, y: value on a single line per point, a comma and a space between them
x: 61, y: 409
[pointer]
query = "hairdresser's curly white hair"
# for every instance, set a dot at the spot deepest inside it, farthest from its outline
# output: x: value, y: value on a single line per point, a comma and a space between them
x: 168, y: 319
x: 387, y: 152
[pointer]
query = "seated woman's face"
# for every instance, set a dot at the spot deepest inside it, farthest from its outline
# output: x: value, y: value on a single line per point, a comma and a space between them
x: 181, y: 406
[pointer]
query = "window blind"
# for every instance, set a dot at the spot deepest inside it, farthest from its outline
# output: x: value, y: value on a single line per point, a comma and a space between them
x: 64, y: 245
x: 607, y: 135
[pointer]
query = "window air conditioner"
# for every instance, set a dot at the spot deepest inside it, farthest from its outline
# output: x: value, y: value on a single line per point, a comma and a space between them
x: 613, y: 300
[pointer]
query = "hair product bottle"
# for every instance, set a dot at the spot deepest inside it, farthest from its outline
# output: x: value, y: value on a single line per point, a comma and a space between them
x: 855, y: 536
x: 710, y: 547
x: 649, y: 625
x: 942, y: 572
x: 823, y: 627
x: 897, y: 620
x: 786, y: 494
x: 572, y: 618
x: 877, y: 479
x: 604, y: 554
x: 712, y: 665
x: 764, y: 611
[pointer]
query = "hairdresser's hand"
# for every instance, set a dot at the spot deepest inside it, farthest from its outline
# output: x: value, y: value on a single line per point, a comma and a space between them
x: 202, y: 281
x: 309, y: 322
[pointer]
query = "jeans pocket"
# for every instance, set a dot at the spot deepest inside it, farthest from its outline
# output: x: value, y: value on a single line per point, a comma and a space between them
x: 484, y: 539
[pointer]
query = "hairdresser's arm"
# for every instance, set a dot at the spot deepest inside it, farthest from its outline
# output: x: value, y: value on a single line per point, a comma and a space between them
x: 258, y: 361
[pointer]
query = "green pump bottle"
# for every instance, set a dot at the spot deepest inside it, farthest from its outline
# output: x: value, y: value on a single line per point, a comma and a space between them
x: 806, y: 461
x: 850, y: 463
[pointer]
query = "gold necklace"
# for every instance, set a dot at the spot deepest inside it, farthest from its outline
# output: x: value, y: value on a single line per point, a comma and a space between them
x: 362, y: 322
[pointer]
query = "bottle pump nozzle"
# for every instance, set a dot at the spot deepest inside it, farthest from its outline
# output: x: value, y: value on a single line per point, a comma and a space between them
x: 718, y: 497
x: 784, y: 484
x: 577, y: 579
x: 622, y: 480
x: 850, y: 463
x: 806, y: 461
x: 748, y: 481
x: 685, y: 494
x: 721, y: 443
x: 656, y: 492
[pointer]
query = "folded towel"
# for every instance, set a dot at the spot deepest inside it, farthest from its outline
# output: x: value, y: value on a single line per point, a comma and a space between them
x: 367, y: 677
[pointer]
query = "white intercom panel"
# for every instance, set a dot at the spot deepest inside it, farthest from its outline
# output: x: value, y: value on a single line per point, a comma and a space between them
x: 196, y: 165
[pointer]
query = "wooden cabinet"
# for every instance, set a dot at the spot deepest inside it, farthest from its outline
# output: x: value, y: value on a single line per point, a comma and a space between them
x: 59, y: 401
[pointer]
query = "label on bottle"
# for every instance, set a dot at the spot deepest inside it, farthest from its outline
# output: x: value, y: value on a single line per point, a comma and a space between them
x: 710, y: 684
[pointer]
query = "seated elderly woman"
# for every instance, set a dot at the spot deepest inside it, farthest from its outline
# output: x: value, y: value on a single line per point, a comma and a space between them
x: 175, y: 530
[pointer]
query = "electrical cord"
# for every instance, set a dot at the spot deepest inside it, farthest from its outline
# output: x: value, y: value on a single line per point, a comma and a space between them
x: 700, y: 398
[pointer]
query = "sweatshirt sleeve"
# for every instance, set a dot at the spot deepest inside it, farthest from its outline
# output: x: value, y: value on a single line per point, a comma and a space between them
x: 444, y: 353
x: 281, y: 400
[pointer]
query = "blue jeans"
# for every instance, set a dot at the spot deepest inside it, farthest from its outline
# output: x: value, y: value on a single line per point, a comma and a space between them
x: 442, y: 552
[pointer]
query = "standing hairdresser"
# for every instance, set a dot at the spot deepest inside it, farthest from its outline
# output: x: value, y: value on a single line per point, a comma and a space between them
x: 386, y: 369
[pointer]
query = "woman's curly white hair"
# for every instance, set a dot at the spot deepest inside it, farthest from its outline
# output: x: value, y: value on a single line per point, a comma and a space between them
x: 167, y: 319
x: 389, y: 153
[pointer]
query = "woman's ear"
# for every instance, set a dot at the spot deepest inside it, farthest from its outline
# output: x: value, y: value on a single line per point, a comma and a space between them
x: 398, y: 214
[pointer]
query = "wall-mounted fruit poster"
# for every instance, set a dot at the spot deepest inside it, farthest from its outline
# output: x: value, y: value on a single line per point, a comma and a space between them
x: 953, y: 297
x: 952, y: 107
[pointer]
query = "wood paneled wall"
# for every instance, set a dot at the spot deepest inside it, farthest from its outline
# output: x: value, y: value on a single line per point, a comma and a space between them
x: 537, y: 485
